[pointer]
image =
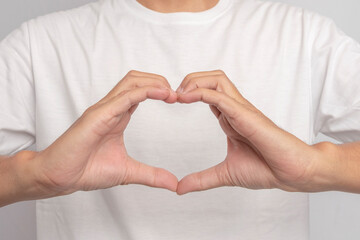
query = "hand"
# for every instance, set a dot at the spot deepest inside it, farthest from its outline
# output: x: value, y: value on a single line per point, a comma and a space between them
x: 91, y: 153
x: 259, y: 154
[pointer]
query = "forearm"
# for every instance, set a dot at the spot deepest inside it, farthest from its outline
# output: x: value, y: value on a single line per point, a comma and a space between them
x: 18, y: 179
x: 348, y: 164
x: 339, y: 167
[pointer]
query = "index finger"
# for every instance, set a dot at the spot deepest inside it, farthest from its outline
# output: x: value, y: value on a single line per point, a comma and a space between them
x: 223, y: 102
x: 124, y: 101
x: 242, y: 116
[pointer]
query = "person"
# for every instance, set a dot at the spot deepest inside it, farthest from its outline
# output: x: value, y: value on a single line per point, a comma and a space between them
x: 273, y: 75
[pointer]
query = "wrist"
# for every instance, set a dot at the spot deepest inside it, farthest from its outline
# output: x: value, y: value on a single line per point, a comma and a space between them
x: 14, y: 181
x: 346, y: 176
x: 329, y: 172
x: 29, y: 184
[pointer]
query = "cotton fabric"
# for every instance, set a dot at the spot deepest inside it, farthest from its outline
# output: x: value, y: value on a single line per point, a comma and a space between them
x: 294, y: 65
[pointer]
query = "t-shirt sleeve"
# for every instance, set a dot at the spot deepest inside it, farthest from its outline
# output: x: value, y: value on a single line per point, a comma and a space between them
x: 17, y: 97
x: 335, y: 76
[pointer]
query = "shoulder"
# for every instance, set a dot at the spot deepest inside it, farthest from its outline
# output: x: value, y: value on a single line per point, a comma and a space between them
x: 279, y: 11
x: 286, y: 19
x: 79, y: 17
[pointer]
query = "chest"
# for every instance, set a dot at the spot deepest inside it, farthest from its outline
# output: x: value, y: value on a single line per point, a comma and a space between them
x: 270, y: 71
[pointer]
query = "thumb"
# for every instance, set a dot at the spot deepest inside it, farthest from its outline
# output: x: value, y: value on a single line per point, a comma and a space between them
x: 139, y: 173
x: 216, y: 176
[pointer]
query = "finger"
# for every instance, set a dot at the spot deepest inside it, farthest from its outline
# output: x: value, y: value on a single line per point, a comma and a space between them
x: 123, y: 102
x: 221, y: 101
x: 134, y: 73
x: 244, y: 118
x: 172, y: 97
x: 209, y: 82
x: 213, y: 177
x: 139, y: 173
x: 219, y: 83
x: 197, y: 75
x: 215, y: 111
x: 145, y: 74
x: 130, y: 82
x: 133, y: 108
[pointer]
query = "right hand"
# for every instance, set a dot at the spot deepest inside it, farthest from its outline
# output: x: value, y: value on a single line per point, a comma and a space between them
x: 91, y: 153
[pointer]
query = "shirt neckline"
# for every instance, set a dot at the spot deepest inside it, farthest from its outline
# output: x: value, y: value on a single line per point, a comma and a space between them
x: 178, y: 17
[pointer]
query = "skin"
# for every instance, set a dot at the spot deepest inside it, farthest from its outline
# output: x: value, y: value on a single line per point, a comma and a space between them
x: 260, y: 154
x: 169, y: 6
x: 99, y: 159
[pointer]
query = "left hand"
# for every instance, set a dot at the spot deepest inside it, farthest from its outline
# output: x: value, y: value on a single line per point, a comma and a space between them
x: 259, y: 154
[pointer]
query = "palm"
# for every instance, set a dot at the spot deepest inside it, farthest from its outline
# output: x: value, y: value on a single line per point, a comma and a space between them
x: 100, y: 160
x: 108, y: 160
x: 91, y: 153
x: 106, y: 165
x: 260, y: 154
x: 268, y: 165
x: 97, y: 161
x: 244, y: 164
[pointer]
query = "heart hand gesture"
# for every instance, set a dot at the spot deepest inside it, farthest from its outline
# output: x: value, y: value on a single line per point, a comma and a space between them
x: 259, y: 155
x: 91, y: 153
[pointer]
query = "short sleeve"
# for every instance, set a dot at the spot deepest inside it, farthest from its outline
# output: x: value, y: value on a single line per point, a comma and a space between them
x: 17, y: 100
x: 335, y: 80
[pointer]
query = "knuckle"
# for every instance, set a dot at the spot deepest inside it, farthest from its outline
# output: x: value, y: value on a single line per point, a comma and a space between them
x: 126, y: 80
x: 161, y: 77
x: 199, y: 180
x: 190, y: 81
x: 188, y: 76
x: 219, y: 71
x: 222, y: 177
x: 132, y: 72
x: 90, y: 110
x: 159, y: 82
x: 224, y: 78
x: 155, y: 177
x: 128, y: 174
x: 195, y: 81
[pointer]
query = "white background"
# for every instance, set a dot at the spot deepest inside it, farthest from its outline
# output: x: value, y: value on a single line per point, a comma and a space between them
x: 333, y: 215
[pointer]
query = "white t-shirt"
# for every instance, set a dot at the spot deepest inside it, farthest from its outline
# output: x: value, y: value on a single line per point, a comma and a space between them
x: 292, y: 64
